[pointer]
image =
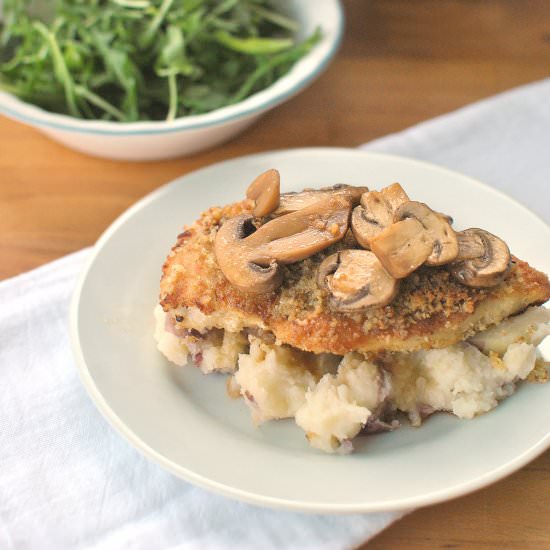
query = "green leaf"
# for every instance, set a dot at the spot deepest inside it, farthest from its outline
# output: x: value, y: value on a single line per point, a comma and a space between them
x: 148, y: 34
x: 172, y: 59
x: 60, y: 68
x: 126, y: 73
x: 99, y: 102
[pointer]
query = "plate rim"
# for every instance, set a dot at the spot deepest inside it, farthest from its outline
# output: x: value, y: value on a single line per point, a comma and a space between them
x: 397, y: 504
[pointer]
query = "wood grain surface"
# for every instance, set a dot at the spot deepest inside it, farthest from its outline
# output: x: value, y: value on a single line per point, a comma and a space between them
x: 402, y: 62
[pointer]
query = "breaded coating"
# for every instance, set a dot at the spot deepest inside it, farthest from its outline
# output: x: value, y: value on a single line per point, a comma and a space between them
x: 431, y: 310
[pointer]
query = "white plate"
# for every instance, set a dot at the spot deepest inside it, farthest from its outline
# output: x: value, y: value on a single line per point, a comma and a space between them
x: 184, y: 421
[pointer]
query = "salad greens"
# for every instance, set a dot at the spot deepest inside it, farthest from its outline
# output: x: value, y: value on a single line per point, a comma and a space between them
x: 129, y: 60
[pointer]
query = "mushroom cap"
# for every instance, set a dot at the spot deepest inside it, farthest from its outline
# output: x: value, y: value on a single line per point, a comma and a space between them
x: 445, y: 245
x: 356, y: 280
x: 265, y: 190
x: 484, y: 259
x: 371, y: 217
x: 241, y: 272
x: 402, y: 247
x: 293, y: 201
x: 250, y: 258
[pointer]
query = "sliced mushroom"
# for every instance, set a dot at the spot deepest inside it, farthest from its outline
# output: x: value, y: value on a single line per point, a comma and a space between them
x: 395, y: 195
x: 233, y: 257
x: 402, y: 247
x: 265, y: 191
x: 470, y: 245
x: 484, y: 259
x: 371, y: 217
x: 445, y: 245
x: 356, y: 280
x: 250, y: 258
x: 376, y: 212
x: 291, y: 202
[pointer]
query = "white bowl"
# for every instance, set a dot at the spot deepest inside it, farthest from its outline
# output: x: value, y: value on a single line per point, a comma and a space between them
x: 186, y: 135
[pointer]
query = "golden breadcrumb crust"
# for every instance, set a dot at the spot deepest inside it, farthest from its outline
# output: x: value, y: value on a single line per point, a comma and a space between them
x: 431, y: 310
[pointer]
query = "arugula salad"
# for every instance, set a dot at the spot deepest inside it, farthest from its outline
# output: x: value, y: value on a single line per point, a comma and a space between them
x: 133, y: 60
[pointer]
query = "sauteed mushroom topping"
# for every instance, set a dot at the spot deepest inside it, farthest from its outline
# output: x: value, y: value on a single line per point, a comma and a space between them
x: 376, y: 212
x: 355, y: 280
x: 371, y: 217
x: 445, y: 245
x: 265, y: 191
x: 483, y: 259
x: 403, y: 247
x: 291, y: 202
x: 399, y: 236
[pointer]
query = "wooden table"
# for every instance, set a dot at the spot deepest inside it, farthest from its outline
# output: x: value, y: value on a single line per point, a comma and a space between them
x: 401, y: 63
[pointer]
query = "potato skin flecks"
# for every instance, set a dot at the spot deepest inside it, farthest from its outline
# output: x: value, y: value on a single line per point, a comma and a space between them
x: 431, y: 310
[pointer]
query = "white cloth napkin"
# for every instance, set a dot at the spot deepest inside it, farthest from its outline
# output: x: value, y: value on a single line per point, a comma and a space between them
x: 503, y: 141
x: 68, y: 481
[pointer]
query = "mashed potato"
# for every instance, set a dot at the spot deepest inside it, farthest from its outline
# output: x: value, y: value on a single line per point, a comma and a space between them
x: 274, y: 379
x: 459, y: 379
x: 333, y: 398
x: 212, y: 351
x: 222, y: 356
x: 338, y: 407
x: 170, y: 345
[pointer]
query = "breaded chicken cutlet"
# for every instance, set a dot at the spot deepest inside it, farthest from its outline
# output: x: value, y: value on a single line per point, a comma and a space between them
x: 431, y: 310
x: 329, y: 306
